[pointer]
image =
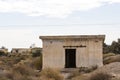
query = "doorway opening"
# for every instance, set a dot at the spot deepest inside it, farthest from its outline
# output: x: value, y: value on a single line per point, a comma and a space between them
x: 70, y: 58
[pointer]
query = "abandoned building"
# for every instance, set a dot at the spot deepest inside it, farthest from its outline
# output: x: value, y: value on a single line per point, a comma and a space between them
x: 72, y: 51
x: 22, y: 51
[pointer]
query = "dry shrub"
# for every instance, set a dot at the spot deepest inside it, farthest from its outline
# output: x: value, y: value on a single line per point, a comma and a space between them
x: 14, y: 76
x: 100, y: 76
x: 37, y: 63
x: 111, y: 59
x: 18, y: 76
x: 50, y: 74
x: 5, y: 75
x: 108, y: 55
x: 23, y: 70
x: 14, y: 69
x: 16, y: 59
x: 9, y: 75
x: 18, y: 73
x: 3, y: 78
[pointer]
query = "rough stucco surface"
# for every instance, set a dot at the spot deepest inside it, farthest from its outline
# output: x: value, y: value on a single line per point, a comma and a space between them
x: 54, y: 51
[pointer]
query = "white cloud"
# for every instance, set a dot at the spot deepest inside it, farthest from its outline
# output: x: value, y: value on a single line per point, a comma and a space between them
x: 51, y: 8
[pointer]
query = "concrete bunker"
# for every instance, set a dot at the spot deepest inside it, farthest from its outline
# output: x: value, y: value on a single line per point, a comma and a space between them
x: 72, y: 51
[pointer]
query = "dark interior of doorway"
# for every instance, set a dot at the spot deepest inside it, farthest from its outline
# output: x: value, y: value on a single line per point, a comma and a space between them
x: 70, y: 58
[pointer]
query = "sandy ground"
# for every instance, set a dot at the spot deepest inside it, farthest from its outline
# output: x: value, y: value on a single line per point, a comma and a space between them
x: 112, y: 68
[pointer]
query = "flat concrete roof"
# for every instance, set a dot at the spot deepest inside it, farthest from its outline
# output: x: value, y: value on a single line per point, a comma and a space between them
x: 73, y: 37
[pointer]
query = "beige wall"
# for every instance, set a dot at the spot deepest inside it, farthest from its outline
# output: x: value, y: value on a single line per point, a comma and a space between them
x: 54, y: 52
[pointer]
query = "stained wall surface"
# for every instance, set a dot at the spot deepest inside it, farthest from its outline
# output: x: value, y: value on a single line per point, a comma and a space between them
x: 88, y: 51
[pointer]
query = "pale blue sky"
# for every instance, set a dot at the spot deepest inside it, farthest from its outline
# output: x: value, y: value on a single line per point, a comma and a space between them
x: 22, y: 22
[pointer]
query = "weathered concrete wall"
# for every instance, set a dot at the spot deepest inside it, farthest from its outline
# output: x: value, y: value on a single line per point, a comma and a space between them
x: 95, y: 52
x: 53, y: 54
x: 83, y: 54
x: 88, y: 55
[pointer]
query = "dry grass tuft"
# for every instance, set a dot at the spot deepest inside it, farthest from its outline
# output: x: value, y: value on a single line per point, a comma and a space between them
x: 50, y: 74
x: 9, y: 75
x: 108, y: 55
x: 37, y: 63
x: 23, y: 70
x: 112, y: 59
x: 20, y: 72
